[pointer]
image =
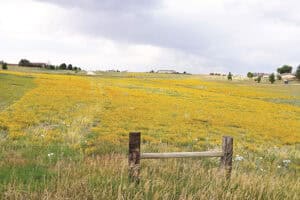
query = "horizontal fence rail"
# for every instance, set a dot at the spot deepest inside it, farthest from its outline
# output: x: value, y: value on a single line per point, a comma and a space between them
x: 135, y: 155
x: 182, y: 154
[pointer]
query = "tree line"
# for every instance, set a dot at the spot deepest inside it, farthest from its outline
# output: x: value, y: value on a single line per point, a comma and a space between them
x: 63, y: 66
x: 281, y: 70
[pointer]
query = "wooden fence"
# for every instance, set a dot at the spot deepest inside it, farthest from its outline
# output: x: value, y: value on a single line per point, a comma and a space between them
x: 135, y: 155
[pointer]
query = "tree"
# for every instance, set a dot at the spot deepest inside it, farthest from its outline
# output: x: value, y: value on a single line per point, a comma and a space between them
x: 285, y: 69
x: 4, y: 65
x: 24, y: 62
x: 63, y: 66
x: 70, y: 67
x: 51, y: 67
x: 258, y: 79
x: 272, y: 78
x: 250, y: 75
x: 229, y: 76
x: 298, y: 73
x: 279, y: 77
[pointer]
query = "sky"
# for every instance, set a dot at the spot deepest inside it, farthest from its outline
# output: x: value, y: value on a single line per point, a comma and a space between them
x: 197, y: 36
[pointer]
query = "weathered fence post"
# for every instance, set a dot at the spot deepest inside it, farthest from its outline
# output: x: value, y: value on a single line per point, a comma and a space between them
x: 134, y: 156
x: 226, y: 159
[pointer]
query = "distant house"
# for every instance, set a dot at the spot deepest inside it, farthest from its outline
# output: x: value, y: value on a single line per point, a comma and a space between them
x: 266, y: 76
x: 166, y: 72
x: 112, y: 70
x: 288, y: 76
x: 12, y: 64
x: 40, y: 65
x: 261, y: 74
x: 91, y: 73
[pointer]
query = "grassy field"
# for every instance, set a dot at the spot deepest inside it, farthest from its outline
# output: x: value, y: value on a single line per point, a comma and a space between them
x: 66, y: 136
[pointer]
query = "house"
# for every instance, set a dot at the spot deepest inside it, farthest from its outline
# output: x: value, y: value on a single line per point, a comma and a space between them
x: 12, y: 64
x: 261, y: 74
x: 166, y: 72
x: 91, y: 73
x: 40, y: 65
x: 288, y: 76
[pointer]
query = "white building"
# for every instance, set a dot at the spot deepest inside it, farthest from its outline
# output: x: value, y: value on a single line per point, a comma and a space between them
x: 166, y: 72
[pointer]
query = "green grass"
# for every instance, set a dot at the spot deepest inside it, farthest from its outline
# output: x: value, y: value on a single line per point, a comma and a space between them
x: 13, y: 88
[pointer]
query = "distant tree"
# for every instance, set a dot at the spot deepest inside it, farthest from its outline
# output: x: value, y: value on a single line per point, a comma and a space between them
x: 52, y: 67
x: 63, y: 66
x: 75, y: 68
x: 250, y: 75
x: 272, y: 78
x: 258, y: 79
x: 79, y: 69
x: 298, y: 73
x: 4, y: 65
x: 229, y: 76
x: 184, y: 72
x: 24, y: 62
x: 152, y: 71
x: 285, y: 69
x: 279, y: 77
x: 70, y: 67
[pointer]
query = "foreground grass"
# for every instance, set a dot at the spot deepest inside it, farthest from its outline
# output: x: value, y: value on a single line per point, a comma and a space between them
x: 106, y: 177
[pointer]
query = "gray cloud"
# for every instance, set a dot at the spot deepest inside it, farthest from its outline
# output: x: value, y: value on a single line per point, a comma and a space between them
x: 107, y: 5
x: 231, y: 35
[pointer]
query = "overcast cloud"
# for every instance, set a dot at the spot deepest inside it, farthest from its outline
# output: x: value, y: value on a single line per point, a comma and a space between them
x: 140, y: 35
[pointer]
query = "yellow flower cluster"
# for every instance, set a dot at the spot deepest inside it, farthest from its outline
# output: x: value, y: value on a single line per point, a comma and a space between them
x: 179, y: 111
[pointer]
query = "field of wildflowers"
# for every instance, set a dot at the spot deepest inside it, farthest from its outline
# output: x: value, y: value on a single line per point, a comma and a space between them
x: 66, y: 136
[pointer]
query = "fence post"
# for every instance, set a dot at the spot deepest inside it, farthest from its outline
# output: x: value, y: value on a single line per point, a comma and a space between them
x: 226, y: 159
x: 134, y: 156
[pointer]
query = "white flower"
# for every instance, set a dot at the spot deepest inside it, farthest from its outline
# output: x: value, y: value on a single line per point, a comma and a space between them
x: 239, y: 158
x: 42, y: 135
x: 261, y: 169
x: 286, y: 161
x: 260, y: 158
x: 278, y: 166
x: 50, y: 154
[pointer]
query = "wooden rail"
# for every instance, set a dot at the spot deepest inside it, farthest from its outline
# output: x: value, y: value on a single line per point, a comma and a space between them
x: 135, y: 155
x: 182, y: 154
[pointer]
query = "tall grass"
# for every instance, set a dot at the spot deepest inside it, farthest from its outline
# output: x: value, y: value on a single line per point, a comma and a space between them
x: 69, y: 174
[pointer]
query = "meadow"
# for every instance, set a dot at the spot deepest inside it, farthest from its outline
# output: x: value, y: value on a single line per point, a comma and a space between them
x: 65, y: 136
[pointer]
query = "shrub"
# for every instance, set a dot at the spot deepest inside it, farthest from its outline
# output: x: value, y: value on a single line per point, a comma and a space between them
x: 63, y: 66
x: 24, y: 62
x: 250, y: 75
x: 229, y: 76
x: 279, y: 77
x: 272, y: 78
x: 258, y: 79
x: 298, y: 72
x: 4, y: 66
x: 70, y: 67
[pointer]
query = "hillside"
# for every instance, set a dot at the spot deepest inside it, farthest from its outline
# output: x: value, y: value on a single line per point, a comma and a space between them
x: 66, y: 134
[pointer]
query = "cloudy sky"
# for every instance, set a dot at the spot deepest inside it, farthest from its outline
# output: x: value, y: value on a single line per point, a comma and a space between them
x: 197, y: 36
